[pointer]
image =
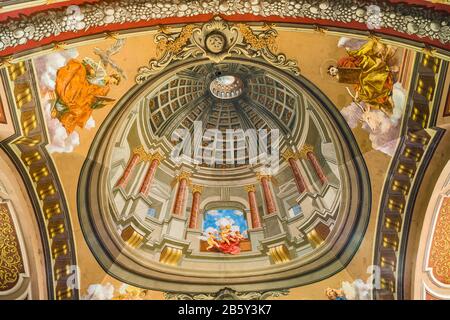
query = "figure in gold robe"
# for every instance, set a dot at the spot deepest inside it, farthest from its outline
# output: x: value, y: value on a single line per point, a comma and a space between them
x: 81, y: 87
x: 368, y: 69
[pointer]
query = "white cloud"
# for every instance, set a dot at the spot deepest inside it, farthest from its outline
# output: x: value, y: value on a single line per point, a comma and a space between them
x: 350, y: 43
x: 90, y: 123
x: 46, y: 67
x: 213, y: 212
x: 358, y: 290
x: 235, y: 228
x: 222, y: 222
x: 123, y: 288
x: 60, y: 141
x: 383, y: 130
x: 238, y: 212
x: 99, y: 292
x: 209, y: 230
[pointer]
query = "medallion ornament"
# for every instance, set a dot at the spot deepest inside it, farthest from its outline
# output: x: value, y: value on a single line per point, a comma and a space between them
x: 216, y: 40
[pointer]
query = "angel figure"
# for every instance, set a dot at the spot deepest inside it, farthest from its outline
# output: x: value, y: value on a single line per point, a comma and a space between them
x: 81, y: 87
x: 236, y: 236
x: 334, y: 294
x: 211, y: 240
x: 105, y: 57
x: 225, y: 233
x: 383, y: 130
x: 369, y: 69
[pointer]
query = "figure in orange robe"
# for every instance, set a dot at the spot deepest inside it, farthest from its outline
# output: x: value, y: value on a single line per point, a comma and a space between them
x: 77, y: 97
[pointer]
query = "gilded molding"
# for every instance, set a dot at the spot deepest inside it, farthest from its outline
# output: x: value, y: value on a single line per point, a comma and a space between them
x: 228, y: 294
x: 132, y: 237
x: 11, y: 262
x: 197, y: 188
x: 279, y: 254
x: 184, y: 175
x: 405, y: 175
x: 289, y: 154
x: 29, y: 145
x: 170, y: 255
x: 439, y: 259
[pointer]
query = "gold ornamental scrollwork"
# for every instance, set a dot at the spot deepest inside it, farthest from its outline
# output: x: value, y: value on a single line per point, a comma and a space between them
x: 11, y: 263
x: 439, y: 259
x: 216, y: 40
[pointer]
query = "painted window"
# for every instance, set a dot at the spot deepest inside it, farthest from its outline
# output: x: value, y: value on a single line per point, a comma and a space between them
x: 151, y: 212
x: 295, y: 211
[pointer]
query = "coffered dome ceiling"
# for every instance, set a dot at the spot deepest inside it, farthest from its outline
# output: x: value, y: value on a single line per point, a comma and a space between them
x: 249, y: 100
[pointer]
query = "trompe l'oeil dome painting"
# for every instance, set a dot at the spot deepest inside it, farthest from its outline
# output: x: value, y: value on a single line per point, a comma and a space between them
x: 224, y: 150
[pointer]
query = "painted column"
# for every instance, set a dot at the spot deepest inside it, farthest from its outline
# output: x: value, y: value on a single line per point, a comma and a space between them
x: 155, y: 160
x: 254, y: 212
x: 183, y: 179
x: 195, y: 208
x: 134, y: 160
x: 268, y: 197
x: 290, y: 156
x: 308, y: 152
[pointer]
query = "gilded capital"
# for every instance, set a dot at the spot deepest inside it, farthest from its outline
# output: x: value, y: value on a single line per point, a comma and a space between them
x: 260, y: 176
x: 305, y: 150
x: 250, y: 188
x: 197, y: 188
x: 140, y: 152
x: 289, y: 154
x: 157, y: 156
x: 184, y: 175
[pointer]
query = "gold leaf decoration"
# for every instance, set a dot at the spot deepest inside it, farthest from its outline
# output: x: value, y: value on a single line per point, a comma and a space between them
x: 265, y: 39
x: 175, y: 45
x: 440, y: 249
x: 11, y: 264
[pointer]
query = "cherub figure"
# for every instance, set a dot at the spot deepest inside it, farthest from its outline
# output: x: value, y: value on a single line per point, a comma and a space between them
x: 334, y: 294
x: 225, y: 233
x: 236, y: 236
x: 212, y: 241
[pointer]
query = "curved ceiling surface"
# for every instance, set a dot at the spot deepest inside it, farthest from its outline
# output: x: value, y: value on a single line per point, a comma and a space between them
x: 224, y: 149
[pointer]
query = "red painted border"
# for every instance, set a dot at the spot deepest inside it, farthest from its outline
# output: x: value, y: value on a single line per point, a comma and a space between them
x: 204, y: 18
x: 423, y: 3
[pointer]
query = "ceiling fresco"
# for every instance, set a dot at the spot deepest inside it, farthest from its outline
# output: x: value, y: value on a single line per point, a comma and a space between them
x: 224, y: 149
